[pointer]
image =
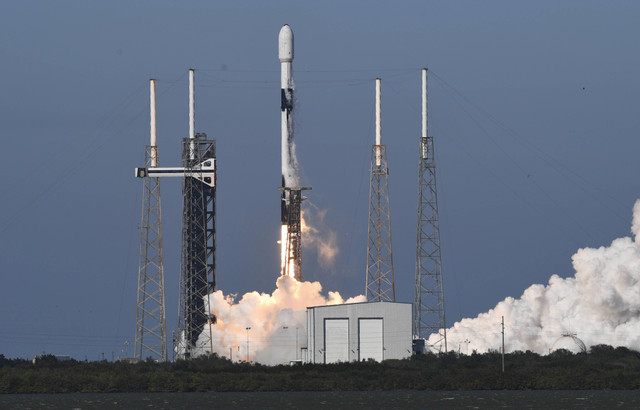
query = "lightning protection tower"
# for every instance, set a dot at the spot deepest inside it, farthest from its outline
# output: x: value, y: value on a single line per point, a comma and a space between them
x: 428, y: 304
x: 380, y: 284
x: 151, y: 327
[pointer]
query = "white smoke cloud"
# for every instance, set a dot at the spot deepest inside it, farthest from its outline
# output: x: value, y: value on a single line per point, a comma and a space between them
x: 318, y: 237
x: 601, y: 303
x: 267, y: 315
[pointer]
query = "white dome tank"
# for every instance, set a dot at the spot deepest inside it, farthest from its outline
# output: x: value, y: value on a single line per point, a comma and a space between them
x: 570, y: 342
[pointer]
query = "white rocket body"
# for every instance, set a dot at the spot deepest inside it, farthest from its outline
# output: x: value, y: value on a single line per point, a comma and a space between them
x: 289, y: 173
x: 285, y: 55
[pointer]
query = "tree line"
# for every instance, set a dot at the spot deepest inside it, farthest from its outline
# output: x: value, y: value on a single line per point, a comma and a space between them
x: 603, y: 367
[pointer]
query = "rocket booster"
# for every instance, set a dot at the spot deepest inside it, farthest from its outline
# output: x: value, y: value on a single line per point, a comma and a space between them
x: 285, y: 55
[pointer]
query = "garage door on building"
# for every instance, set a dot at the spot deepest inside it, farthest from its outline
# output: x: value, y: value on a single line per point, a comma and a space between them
x: 370, y: 339
x: 336, y: 340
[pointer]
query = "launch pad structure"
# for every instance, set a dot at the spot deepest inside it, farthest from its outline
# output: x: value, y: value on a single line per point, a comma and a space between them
x: 198, y: 255
x: 379, y: 276
x: 429, y: 314
x: 198, y: 259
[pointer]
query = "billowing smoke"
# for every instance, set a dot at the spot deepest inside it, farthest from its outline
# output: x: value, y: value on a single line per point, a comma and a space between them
x: 601, y: 303
x: 274, y: 320
x: 316, y: 236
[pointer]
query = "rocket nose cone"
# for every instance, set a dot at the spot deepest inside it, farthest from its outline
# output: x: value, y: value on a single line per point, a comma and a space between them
x: 285, y: 44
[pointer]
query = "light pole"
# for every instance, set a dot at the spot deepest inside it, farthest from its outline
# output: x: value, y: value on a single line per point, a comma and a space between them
x: 248, y: 328
x: 297, y: 342
x: 286, y: 328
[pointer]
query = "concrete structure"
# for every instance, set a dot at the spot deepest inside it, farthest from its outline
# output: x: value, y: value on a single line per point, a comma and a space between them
x: 358, y: 331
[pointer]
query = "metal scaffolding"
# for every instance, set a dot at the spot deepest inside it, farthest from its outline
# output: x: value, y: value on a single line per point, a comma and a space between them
x: 292, y: 201
x: 380, y: 283
x: 151, y: 326
x: 198, y: 259
x: 429, y: 315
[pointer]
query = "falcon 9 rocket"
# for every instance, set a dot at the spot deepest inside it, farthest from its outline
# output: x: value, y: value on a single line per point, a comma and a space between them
x: 291, y: 198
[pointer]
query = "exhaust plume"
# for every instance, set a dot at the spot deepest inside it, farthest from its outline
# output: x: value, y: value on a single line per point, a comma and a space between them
x: 273, y: 319
x: 601, y: 303
x: 317, y: 237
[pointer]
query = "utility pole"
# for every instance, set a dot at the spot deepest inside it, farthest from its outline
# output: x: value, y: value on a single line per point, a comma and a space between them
x: 502, y: 344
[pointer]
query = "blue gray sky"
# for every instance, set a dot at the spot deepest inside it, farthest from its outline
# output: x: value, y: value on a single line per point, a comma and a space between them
x: 533, y: 107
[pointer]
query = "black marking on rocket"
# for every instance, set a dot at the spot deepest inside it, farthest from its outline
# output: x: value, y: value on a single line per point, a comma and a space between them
x: 286, y: 104
x: 286, y: 99
x: 284, y: 211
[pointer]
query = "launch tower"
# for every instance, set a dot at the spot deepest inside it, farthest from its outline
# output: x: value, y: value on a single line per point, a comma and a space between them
x: 198, y: 264
x: 151, y: 323
x: 380, y: 285
x: 428, y: 304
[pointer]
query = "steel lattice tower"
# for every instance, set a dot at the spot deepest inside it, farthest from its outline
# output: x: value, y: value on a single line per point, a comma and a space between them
x: 380, y: 283
x: 198, y: 265
x: 428, y: 305
x: 151, y: 328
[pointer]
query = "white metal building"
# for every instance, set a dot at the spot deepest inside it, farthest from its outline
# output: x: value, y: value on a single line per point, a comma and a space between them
x: 358, y: 331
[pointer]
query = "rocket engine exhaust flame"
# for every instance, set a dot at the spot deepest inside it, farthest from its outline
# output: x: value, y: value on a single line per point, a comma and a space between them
x: 601, y: 303
x: 287, y: 263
